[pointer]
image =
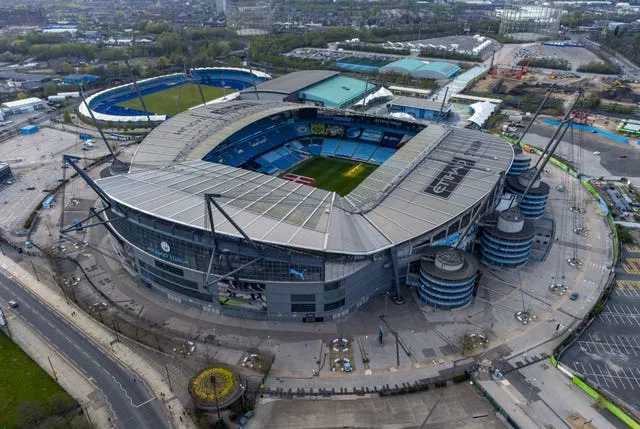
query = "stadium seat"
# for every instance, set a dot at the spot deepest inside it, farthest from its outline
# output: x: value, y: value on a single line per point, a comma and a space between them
x: 364, y: 151
x: 314, y: 149
x: 346, y: 149
x: 329, y: 147
x: 381, y: 155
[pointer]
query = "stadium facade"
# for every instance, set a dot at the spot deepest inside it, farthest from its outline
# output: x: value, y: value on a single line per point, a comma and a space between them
x: 203, y: 217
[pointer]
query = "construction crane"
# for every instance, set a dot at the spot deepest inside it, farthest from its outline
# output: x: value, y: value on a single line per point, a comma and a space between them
x: 525, y: 68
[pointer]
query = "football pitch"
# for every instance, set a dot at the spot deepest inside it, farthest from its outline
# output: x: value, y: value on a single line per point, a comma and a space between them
x: 334, y: 174
x: 163, y: 102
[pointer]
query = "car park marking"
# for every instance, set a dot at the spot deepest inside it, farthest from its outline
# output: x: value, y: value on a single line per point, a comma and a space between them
x: 632, y: 248
x: 631, y: 266
x: 628, y: 288
x: 616, y: 344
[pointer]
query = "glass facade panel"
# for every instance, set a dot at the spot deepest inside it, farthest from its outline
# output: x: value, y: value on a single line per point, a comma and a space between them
x: 303, y: 308
x: 175, y: 279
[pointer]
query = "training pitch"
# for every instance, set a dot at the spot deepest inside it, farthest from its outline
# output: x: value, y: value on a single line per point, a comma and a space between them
x: 333, y: 174
x: 164, y: 103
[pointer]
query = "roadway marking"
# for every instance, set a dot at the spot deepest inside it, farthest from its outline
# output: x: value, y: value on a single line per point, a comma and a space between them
x: 144, y: 403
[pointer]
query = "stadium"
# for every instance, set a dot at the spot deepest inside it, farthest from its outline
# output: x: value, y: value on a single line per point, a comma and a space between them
x: 280, y: 211
x: 166, y: 95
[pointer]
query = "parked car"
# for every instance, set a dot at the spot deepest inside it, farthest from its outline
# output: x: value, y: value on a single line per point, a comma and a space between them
x: 574, y: 296
x: 13, y: 303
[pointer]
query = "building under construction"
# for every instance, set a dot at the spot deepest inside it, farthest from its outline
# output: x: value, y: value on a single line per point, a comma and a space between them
x: 527, y: 21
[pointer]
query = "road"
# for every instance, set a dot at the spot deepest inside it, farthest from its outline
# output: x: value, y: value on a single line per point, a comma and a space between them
x: 132, y: 405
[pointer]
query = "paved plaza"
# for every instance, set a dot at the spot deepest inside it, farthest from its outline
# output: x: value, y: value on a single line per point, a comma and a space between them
x: 459, y: 406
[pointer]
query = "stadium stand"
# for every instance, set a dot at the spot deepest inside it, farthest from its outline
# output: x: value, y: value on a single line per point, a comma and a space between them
x: 329, y: 147
x: 364, y: 151
x: 279, y: 142
x: 381, y: 155
x: 346, y: 149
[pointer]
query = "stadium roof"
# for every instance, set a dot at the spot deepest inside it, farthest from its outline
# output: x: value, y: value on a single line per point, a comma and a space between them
x: 399, y: 201
x: 338, y: 91
x: 192, y: 134
x: 420, y: 103
x: 419, y: 68
x: 293, y: 82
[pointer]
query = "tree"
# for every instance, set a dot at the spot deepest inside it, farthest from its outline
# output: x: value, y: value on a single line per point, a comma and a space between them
x: 163, y: 63
x: 54, y: 422
x: 65, y: 68
x: 170, y: 42
x: 61, y: 402
x: 50, y: 89
x: 67, y: 117
x: 28, y: 413
x: 21, y: 95
x: 592, y: 101
x: 79, y: 422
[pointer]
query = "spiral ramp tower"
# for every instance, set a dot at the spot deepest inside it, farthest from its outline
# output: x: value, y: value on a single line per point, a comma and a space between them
x: 448, y: 277
x: 521, y: 162
x: 506, y: 238
x: 534, y: 203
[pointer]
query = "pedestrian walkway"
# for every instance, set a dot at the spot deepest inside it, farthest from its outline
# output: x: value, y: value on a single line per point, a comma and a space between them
x: 101, y: 336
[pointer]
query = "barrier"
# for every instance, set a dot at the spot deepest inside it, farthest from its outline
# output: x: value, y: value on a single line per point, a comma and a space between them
x: 624, y: 417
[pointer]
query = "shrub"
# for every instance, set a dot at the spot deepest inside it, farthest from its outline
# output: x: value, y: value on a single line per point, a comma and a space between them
x: 461, y: 377
x: 546, y: 63
x: 624, y: 235
x: 29, y: 221
x: 599, y: 67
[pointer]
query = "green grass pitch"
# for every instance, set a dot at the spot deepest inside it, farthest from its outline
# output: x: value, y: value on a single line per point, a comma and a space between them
x: 21, y: 379
x: 163, y: 103
x: 334, y: 174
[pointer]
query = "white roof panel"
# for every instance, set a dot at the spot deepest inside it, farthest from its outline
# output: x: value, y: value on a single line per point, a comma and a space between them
x: 436, y: 176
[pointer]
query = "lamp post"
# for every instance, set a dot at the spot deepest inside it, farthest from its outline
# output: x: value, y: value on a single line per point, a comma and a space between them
x: 243, y: 387
x: 215, y: 395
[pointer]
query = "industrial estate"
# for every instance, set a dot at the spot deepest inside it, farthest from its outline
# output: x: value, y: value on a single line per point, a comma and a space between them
x: 241, y: 214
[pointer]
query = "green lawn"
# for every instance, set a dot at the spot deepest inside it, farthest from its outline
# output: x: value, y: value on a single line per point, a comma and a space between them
x: 333, y: 174
x: 22, y: 381
x: 163, y: 103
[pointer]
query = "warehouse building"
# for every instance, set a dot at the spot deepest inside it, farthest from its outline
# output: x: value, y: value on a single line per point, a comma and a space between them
x: 422, y: 69
x: 22, y: 106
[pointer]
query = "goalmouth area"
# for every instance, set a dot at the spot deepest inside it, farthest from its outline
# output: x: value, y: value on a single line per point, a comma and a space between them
x: 333, y: 174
